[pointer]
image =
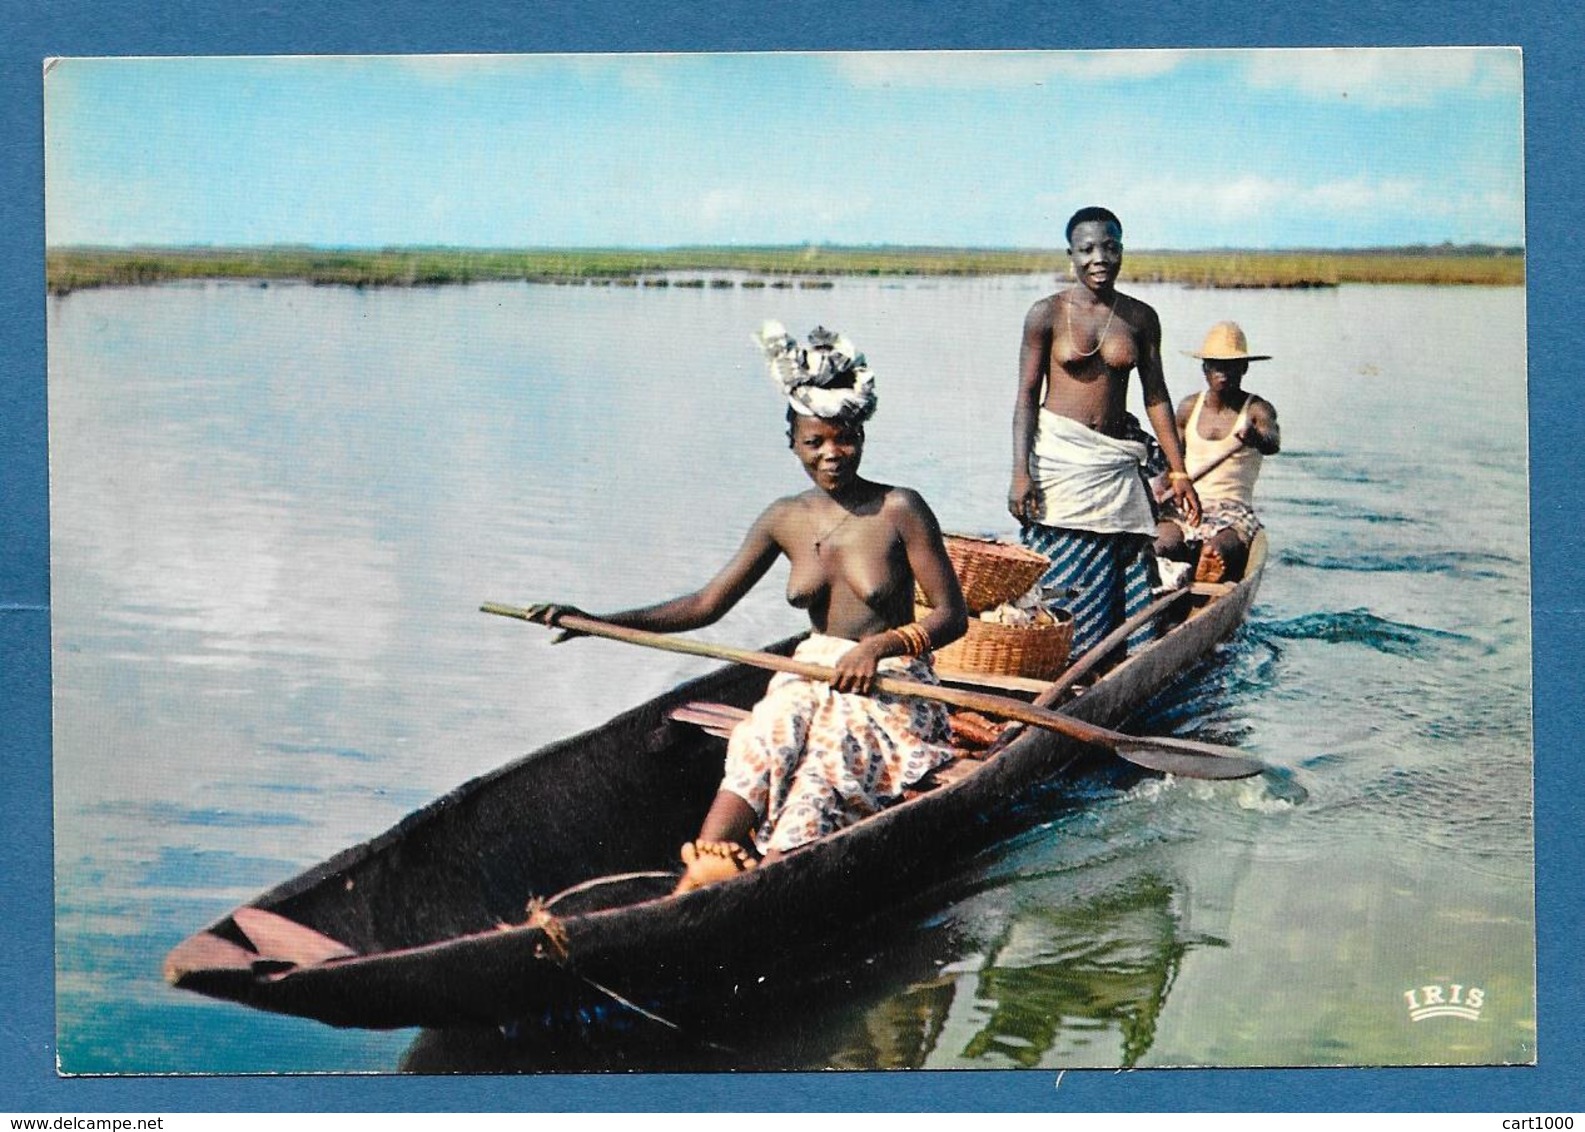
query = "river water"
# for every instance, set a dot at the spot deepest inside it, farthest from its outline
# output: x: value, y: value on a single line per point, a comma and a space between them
x: 275, y: 511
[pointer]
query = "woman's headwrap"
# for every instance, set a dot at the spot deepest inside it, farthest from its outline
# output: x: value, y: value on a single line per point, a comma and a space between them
x: 826, y: 378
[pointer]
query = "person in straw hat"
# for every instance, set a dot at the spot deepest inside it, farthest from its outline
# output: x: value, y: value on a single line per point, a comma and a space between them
x: 1226, y: 432
x: 1077, y: 486
x: 814, y: 757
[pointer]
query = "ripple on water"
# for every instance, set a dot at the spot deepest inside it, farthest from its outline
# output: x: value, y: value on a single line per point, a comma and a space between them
x: 1362, y: 627
x: 165, y: 813
x: 1336, y: 511
x: 1482, y: 816
x: 352, y: 753
x: 1333, y: 467
x: 198, y: 869
x: 1465, y: 564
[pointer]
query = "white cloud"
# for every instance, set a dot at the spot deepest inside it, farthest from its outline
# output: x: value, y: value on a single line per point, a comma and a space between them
x: 1248, y: 210
x: 139, y: 210
x: 644, y: 71
x: 1386, y: 76
x: 939, y: 69
x: 444, y: 69
x: 1227, y: 199
x: 742, y: 211
x: 999, y: 69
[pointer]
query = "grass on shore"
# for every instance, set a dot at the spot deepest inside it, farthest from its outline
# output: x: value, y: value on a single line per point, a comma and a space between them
x: 70, y: 269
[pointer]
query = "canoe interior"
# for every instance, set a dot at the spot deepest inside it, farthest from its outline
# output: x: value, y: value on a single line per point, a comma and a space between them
x: 419, y: 903
x: 619, y: 798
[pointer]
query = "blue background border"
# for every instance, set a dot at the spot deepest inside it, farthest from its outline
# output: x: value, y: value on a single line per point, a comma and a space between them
x: 1550, y: 32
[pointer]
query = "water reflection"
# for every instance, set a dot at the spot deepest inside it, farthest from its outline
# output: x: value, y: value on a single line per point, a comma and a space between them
x: 1073, y: 983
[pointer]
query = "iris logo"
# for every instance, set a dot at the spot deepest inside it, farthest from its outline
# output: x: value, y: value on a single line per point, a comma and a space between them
x: 1451, y: 1001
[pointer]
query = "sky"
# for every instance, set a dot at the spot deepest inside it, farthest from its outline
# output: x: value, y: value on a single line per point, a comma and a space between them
x: 1193, y: 149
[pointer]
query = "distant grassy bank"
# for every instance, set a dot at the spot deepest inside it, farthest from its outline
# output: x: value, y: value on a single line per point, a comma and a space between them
x: 70, y: 269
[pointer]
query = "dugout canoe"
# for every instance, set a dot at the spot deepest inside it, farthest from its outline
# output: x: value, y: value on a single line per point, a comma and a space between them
x: 544, y: 884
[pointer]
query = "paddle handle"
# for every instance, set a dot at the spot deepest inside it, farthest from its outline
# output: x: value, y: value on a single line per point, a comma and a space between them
x: 1003, y: 706
x: 1177, y: 756
x: 1216, y: 463
x: 1161, y: 486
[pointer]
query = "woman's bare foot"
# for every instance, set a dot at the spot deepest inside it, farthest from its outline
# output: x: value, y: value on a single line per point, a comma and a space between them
x: 1212, y: 567
x: 709, y: 862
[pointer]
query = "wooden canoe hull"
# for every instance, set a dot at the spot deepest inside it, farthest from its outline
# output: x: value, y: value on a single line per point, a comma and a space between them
x: 418, y: 906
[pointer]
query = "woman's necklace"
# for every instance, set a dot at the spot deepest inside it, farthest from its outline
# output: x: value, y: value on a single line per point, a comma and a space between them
x: 1101, y: 339
x: 837, y: 526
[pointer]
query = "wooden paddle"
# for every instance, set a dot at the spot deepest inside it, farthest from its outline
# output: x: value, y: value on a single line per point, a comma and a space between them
x: 1184, y: 757
x: 1061, y: 689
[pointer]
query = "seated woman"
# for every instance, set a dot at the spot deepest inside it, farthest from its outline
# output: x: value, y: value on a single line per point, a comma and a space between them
x: 1226, y: 431
x: 813, y: 757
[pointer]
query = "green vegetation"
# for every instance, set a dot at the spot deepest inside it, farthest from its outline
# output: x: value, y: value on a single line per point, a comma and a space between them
x: 70, y: 269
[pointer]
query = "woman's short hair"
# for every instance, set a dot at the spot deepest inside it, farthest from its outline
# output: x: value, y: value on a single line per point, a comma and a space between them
x: 1092, y: 213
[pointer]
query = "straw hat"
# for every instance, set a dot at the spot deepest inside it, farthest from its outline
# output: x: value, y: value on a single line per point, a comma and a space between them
x: 1225, y: 342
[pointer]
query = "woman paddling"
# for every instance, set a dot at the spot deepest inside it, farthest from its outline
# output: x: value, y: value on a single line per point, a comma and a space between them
x: 813, y: 757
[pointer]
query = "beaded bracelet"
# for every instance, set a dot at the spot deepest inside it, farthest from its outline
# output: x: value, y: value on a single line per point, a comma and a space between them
x: 915, y: 638
x: 1179, y: 476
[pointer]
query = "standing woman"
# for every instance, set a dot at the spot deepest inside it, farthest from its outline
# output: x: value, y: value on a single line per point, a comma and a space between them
x: 814, y: 757
x: 1076, y: 483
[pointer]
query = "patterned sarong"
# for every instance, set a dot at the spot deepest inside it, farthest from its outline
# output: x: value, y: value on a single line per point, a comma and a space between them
x: 1216, y: 516
x: 1112, y: 575
x: 1097, y: 526
x: 811, y: 760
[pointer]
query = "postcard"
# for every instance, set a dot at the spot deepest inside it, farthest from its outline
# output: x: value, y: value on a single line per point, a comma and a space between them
x: 342, y: 349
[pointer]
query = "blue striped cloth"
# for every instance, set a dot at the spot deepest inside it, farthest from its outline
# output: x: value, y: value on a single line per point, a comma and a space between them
x: 1111, y: 573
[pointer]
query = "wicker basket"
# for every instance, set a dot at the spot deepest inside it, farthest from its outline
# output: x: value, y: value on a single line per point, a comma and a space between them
x: 1038, y: 652
x: 991, y: 572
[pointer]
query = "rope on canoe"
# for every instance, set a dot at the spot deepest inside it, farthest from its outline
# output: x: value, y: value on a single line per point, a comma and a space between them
x: 596, y: 882
x: 631, y: 1005
x: 653, y: 1017
x: 555, y: 934
x: 541, y: 917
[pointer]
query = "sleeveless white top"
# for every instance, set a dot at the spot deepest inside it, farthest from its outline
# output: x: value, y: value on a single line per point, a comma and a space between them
x: 1234, y: 478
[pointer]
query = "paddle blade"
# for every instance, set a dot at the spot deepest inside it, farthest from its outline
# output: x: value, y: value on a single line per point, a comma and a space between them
x: 1188, y: 759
